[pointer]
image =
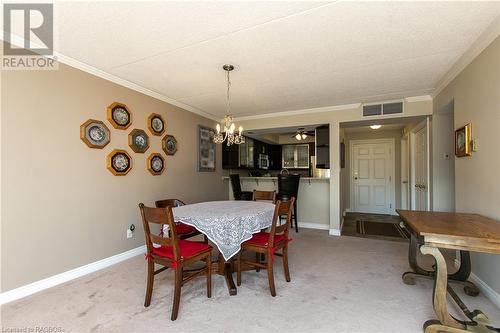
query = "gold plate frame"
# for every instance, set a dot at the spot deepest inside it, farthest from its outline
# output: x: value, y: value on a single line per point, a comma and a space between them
x: 165, y: 147
x: 83, y: 134
x: 150, y: 124
x: 463, y: 149
x: 131, y: 143
x: 150, y: 167
x: 109, y: 162
x: 110, y: 111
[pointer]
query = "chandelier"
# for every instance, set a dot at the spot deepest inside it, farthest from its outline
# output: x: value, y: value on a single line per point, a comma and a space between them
x: 226, y: 129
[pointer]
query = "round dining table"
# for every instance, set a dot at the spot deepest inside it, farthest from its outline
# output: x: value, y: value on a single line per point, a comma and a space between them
x: 227, y: 224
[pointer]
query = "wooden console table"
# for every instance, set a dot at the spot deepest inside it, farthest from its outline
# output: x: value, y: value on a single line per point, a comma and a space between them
x: 464, y: 232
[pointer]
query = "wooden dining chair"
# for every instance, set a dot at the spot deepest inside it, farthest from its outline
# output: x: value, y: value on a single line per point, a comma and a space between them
x: 172, y: 252
x: 184, y: 231
x: 268, y: 243
x: 264, y: 196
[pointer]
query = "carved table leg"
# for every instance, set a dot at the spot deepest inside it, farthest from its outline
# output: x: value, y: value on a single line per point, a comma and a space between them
x: 459, y: 276
x: 225, y: 268
x: 445, y: 322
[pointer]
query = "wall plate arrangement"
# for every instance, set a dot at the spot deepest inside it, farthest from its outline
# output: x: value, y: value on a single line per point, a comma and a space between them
x: 156, y: 124
x: 155, y: 164
x: 463, y: 141
x: 95, y: 134
x: 169, y: 144
x: 138, y: 140
x: 119, y: 115
x: 119, y: 162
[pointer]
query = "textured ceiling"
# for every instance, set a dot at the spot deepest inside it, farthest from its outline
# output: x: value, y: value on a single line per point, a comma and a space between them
x: 289, y: 55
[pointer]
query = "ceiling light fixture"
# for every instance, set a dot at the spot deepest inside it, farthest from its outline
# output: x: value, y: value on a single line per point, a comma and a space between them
x: 302, y: 134
x: 375, y: 126
x: 298, y: 136
x: 228, y: 127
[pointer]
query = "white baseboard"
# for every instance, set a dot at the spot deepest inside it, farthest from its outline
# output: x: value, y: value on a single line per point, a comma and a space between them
x: 491, y: 294
x: 334, y: 232
x: 319, y: 226
x: 29, y: 289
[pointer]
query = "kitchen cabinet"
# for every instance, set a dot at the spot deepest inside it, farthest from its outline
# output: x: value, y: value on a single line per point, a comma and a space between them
x: 230, y: 156
x: 323, y: 147
x: 296, y: 156
x: 246, y: 154
x: 275, y: 155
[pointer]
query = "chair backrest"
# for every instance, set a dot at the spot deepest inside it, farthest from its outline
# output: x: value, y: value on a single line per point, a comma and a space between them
x: 169, y: 203
x: 288, y: 185
x: 159, y: 216
x: 236, y: 185
x: 264, y: 196
x: 283, y: 208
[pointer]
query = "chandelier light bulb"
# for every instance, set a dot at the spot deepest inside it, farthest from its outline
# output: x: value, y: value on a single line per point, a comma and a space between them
x: 240, y: 129
x: 218, y: 128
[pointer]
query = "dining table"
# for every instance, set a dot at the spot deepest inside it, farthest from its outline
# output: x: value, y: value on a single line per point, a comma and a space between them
x: 227, y: 224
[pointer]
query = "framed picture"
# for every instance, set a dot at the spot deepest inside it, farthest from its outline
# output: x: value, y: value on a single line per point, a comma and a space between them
x: 94, y: 133
x: 462, y: 141
x: 206, y: 149
x: 119, y: 162
x: 156, y: 124
x: 169, y: 144
x: 155, y: 164
x: 119, y: 115
x: 138, y: 140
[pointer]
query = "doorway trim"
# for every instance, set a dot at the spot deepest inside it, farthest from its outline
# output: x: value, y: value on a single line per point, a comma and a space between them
x: 392, y: 174
x: 424, y: 124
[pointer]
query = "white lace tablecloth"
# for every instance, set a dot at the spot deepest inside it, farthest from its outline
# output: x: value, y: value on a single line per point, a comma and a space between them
x: 227, y: 223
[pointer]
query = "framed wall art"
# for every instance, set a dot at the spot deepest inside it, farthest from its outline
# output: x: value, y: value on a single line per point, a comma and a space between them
x: 206, y: 149
x: 119, y: 115
x: 119, y: 162
x: 463, y: 141
x: 95, y: 133
x: 138, y: 140
x: 169, y: 144
x: 156, y: 124
x: 155, y: 164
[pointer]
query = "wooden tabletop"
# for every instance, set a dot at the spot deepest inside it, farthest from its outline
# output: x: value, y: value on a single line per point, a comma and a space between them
x: 459, y: 231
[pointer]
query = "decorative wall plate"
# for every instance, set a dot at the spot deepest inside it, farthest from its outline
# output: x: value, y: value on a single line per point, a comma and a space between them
x: 94, y: 133
x: 156, y: 124
x: 119, y: 162
x: 119, y: 115
x: 169, y: 144
x: 138, y: 140
x: 155, y: 164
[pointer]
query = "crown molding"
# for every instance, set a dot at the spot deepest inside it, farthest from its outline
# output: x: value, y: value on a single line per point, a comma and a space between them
x: 484, y: 40
x: 422, y: 98
x: 299, y: 112
x: 19, y: 41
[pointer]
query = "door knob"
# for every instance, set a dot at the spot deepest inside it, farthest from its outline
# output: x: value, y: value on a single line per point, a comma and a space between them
x: 355, y: 178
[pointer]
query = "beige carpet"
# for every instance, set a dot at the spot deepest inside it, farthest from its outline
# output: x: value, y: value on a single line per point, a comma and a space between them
x: 339, y: 284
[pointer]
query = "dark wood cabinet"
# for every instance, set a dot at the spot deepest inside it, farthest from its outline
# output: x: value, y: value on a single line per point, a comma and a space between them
x: 323, y: 147
x: 230, y: 156
x: 275, y: 162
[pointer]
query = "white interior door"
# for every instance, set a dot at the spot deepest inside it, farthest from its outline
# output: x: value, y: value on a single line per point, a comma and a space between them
x: 420, y: 186
x: 372, y: 177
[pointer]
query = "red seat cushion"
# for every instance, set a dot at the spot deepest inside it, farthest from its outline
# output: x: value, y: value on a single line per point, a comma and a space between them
x: 187, y: 249
x: 262, y: 239
x: 182, y: 228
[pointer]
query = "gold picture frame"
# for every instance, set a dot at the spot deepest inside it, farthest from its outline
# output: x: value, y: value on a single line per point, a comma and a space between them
x: 155, y: 164
x: 463, y: 141
x: 119, y: 162
x: 119, y: 115
x: 156, y: 124
x: 169, y: 144
x: 95, y: 134
x: 138, y: 140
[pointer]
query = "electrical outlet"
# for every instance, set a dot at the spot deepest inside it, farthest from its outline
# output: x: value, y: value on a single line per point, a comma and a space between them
x: 129, y: 233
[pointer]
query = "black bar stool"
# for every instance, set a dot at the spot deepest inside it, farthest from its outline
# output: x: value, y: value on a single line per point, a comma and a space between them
x: 237, y: 192
x: 288, y: 187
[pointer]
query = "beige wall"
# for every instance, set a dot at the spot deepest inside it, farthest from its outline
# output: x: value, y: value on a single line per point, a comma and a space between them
x: 61, y: 207
x: 476, y: 95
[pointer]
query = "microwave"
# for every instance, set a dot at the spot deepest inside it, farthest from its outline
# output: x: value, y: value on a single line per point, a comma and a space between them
x: 263, y: 161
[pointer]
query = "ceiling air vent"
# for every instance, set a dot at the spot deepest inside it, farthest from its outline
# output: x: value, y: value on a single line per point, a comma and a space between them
x: 380, y: 109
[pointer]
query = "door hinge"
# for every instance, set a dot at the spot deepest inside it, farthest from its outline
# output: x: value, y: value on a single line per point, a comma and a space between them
x: 390, y: 205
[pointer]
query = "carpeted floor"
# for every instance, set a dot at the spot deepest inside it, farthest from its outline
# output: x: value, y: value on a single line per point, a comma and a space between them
x: 339, y: 284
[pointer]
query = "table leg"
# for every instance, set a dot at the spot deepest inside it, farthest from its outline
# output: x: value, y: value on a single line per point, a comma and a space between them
x: 459, y: 276
x: 225, y: 268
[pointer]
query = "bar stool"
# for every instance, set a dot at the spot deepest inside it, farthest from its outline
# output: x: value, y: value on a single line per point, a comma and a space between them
x: 288, y: 187
x: 237, y: 192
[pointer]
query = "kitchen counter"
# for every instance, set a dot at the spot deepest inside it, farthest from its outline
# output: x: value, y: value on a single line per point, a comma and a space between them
x: 313, y: 202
